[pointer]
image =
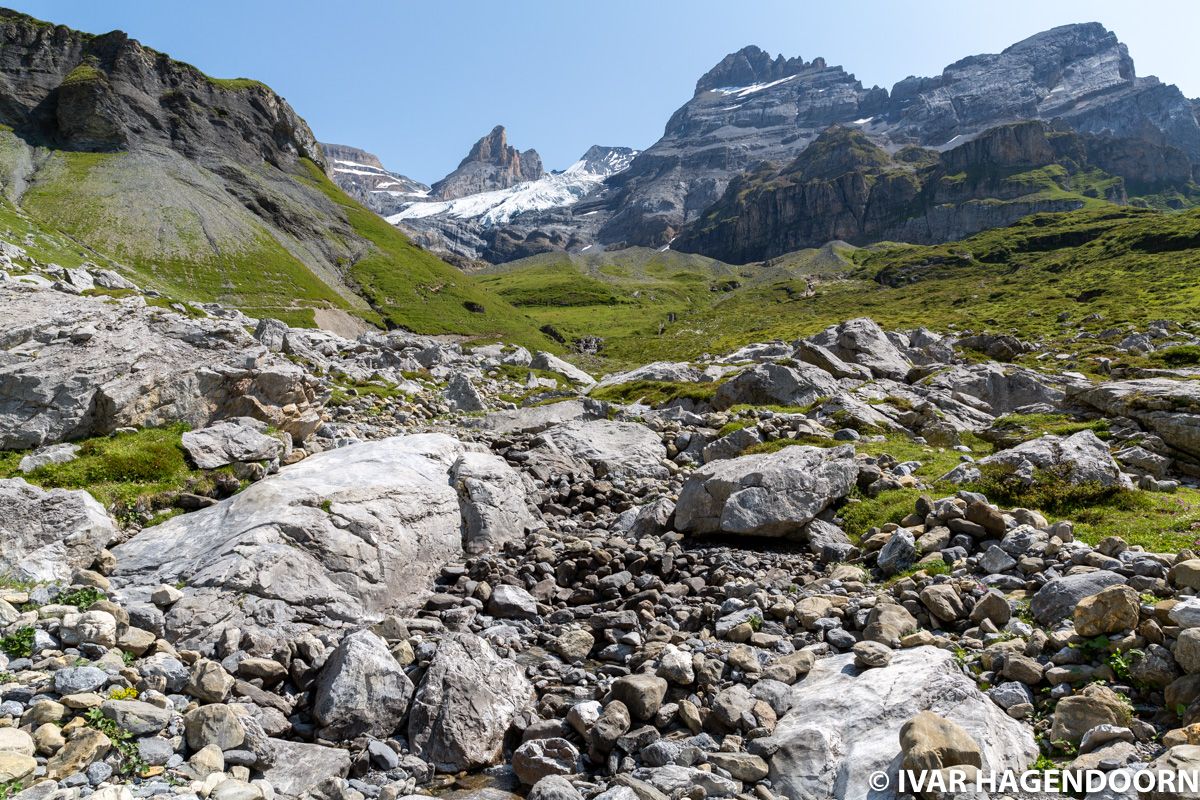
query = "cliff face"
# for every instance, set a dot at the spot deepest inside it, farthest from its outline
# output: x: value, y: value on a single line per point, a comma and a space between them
x: 75, y: 91
x: 492, y: 164
x: 844, y: 186
x: 362, y: 176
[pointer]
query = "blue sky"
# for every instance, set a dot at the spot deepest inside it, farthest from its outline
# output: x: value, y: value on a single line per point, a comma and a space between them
x: 418, y: 82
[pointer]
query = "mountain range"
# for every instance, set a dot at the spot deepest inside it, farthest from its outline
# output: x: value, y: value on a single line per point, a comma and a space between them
x: 753, y: 116
x: 217, y: 190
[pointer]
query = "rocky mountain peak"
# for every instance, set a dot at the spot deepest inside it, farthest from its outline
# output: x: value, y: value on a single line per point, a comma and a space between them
x: 78, y: 91
x: 1070, y: 42
x: 491, y: 164
x: 602, y: 160
x: 752, y: 108
x: 749, y: 66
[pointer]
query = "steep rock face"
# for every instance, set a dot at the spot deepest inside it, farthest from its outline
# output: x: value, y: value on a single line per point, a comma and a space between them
x: 751, y: 108
x: 492, y: 164
x: 72, y: 90
x: 845, y: 186
x: 362, y: 176
x: 747, y: 109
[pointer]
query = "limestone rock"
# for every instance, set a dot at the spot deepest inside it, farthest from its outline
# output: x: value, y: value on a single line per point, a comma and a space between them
x: 1170, y: 408
x: 493, y: 499
x: 861, y: 341
x: 930, y: 742
x: 602, y: 448
x: 846, y: 724
x: 141, y: 367
x: 1058, y: 598
x: 642, y: 694
x: 300, y: 767
x: 345, y: 535
x: 1093, y: 705
x: 1081, y: 458
x: 1110, y: 610
x: 551, y: 362
x: 465, y: 704
x: 362, y: 690
x: 774, y: 494
x: 213, y: 724
x: 462, y: 395
x: 240, y: 439
x: 47, y: 535
x: 1180, y: 758
x: 776, y: 384
x: 539, y: 758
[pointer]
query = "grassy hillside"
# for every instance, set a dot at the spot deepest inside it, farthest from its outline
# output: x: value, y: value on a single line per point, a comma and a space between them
x: 261, y: 239
x: 639, y: 299
x: 1102, y: 266
x: 173, y: 227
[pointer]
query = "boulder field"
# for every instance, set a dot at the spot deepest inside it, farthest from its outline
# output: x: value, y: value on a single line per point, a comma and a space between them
x: 398, y: 566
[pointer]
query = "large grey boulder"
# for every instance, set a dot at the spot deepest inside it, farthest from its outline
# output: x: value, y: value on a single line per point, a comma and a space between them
x: 776, y: 384
x: 861, y: 341
x: 231, y: 441
x: 1001, y: 388
x: 1056, y: 600
x: 47, y: 535
x: 731, y: 444
x: 46, y: 456
x: 465, y: 704
x: 601, y: 448
x: 846, y: 723
x: 553, y: 363
x: 73, y: 366
x: 339, y: 538
x: 362, y: 690
x: 1079, y: 458
x: 494, y: 503
x: 300, y: 767
x: 823, y: 358
x: 774, y: 494
x: 462, y: 395
x: 1169, y: 408
x: 535, y: 419
x: 667, y: 371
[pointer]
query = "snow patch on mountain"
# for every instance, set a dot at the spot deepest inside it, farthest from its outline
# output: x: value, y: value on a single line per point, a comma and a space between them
x: 554, y: 190
x: 742, y: 91
x: 388, y: 182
